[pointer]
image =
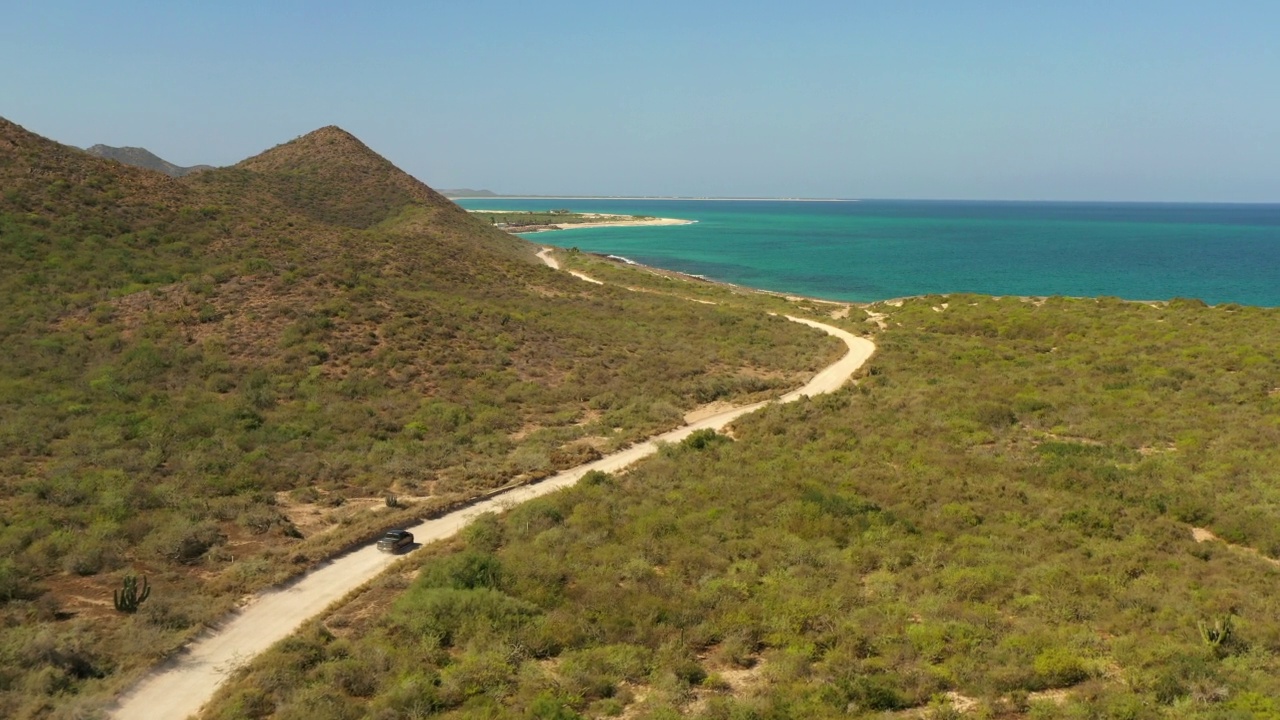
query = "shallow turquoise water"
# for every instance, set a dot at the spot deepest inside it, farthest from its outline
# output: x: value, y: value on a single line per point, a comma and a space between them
x: 874, y: 250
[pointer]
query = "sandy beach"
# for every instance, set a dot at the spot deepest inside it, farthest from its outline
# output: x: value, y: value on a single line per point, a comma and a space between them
x: 603, y: 220
x: 625, y: 223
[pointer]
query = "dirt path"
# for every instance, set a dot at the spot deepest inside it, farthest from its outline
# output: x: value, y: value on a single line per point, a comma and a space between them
x: 181, y: 686
x: 545, y: 256
x: 1205, y: 535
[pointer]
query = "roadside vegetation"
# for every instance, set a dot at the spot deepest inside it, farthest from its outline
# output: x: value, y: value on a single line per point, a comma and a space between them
x: 995, y: 522
x: 214, y: 383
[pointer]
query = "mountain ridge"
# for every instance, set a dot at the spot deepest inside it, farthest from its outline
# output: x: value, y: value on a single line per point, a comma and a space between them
x: 143, y: 158
x: 458, y: 193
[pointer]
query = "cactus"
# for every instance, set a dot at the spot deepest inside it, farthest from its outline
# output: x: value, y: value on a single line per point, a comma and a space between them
x: 129, y: 598
x: 1218, y: 634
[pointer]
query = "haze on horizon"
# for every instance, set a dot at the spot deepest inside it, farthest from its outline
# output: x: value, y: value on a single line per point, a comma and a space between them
x: 1142, y: 101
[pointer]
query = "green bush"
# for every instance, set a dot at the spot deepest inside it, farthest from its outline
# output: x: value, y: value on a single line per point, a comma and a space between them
x: 1058, y: 667
x: 452, y: 616
x: 12, y: 584
x: 487, y: 673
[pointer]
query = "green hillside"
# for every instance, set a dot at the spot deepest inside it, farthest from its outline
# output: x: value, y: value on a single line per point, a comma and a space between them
x: 218, y: 381
x: 995, y: 522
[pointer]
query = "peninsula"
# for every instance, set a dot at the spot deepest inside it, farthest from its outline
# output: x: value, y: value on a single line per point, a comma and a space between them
x: 526, y: 221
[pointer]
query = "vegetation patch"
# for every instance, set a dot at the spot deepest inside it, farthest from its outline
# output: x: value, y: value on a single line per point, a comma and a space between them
x: 886, y: 550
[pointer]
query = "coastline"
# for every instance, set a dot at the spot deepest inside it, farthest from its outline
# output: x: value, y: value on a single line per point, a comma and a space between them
x: 878, y: 250
x: 691, y: 277
x: 862, y: 304
x: 605, y: 220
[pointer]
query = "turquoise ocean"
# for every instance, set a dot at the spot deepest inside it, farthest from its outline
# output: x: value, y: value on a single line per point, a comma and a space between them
x: 875, y: 250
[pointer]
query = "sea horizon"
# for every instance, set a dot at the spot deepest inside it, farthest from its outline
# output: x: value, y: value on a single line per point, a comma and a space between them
x: 870, y: 250
x: 986, y: 201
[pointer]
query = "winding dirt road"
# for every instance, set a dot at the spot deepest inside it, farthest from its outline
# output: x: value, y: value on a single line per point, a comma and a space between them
x: 181, y: 686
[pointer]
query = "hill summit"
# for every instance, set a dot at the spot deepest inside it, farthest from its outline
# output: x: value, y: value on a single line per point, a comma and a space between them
x: 330, y: 175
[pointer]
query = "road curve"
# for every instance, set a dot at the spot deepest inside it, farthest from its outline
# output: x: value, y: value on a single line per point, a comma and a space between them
x: 178, y: 688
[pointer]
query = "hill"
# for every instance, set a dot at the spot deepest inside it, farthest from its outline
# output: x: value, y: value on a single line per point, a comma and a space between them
x: 143, y: 158
x: 468, y: 193
x: 331, y: 176
x: 219, y: 380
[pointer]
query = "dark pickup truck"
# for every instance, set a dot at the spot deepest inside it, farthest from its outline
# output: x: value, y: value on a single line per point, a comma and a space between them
x: 395, y: 541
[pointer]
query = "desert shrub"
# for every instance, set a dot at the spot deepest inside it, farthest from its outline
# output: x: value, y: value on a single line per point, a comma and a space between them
x: 487, y: 672
x: 246, y: 704
x: 184, y: 543
x: 995, y: 415
x: 452, y: 615
x: 416, y: 694
x: 595, y: 672
x: 355, y: 676
x: 702, y: 439
x: 464, y: 571
x: 12, y: 584
x: 320, y: 700
x: 548, y: 705
x: 1059, y: 667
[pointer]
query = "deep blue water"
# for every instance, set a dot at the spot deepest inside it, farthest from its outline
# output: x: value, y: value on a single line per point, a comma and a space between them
x: 875, y: 250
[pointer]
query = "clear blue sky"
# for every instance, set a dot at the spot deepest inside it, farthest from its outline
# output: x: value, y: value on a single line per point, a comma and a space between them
x: 1025, y: 99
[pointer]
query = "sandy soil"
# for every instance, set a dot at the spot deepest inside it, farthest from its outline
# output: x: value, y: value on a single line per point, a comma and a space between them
x: 583, y: 276
x: 545, y: 256
x: 181, y: 686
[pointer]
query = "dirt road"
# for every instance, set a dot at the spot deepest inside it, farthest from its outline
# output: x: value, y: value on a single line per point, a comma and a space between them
x: 554, y: 264
x: 180, y: 687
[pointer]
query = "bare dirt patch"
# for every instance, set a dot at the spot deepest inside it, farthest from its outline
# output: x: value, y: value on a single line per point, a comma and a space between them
x: 325, y: 511
x: 1202, y: 535
x: 706, y: 411
x: 1046, y: 435
x: 1056, y: 697
x: 83, y: 597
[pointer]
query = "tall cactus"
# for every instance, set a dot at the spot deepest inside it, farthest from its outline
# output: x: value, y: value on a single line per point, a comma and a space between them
x: 1216, y: 634
x: 128, y: 599
x: 1220, y: 635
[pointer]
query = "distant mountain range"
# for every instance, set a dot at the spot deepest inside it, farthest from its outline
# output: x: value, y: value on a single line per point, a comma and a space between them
x: 143, y: 158
x: 468, y: 193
